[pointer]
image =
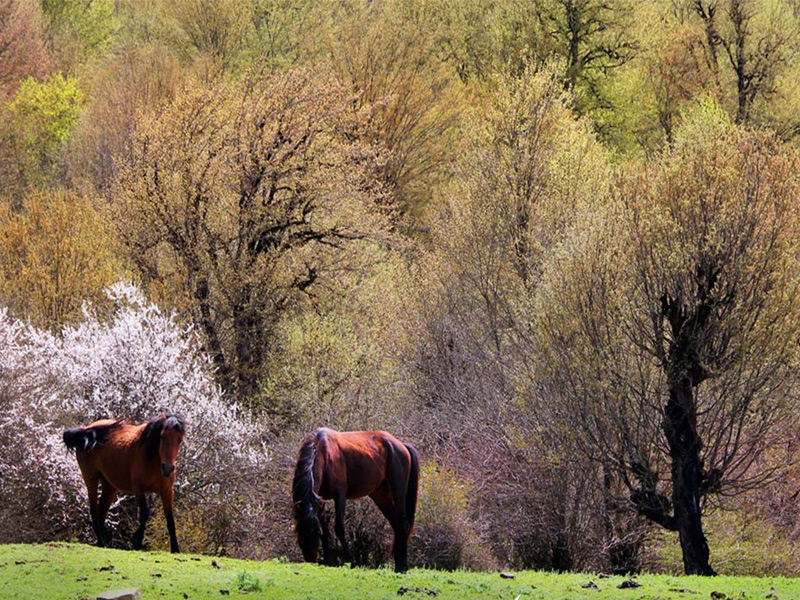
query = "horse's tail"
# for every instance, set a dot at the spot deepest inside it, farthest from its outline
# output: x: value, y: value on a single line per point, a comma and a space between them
x: 413, y: 486
x: 84, y: 439
x: 306, y: 500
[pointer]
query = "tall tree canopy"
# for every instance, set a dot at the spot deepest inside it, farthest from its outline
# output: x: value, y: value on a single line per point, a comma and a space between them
x: 241, y: 198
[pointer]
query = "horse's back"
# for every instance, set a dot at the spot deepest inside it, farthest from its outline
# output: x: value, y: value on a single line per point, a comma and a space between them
x: 105, y: 423
x: 361, y: 461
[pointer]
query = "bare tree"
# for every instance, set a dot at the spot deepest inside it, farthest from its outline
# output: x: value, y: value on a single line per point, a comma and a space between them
x: 669, y: 329
x: 755, y: 52
x: 593, y: 38
x: 242, y: 198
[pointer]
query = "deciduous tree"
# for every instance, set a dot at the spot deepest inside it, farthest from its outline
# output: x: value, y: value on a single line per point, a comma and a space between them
x: 669, y: 325
x: 55, y: 253
x: 22, y: 43
x: 754, y: 40
x: 241, y: 198
x: 592, y: 37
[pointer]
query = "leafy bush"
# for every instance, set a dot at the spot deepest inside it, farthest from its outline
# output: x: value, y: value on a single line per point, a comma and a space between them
x: 445, y: 537
x: 247, y: 582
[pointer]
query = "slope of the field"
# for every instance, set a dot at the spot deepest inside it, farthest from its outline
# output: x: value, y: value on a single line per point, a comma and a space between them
x: 75, y: 572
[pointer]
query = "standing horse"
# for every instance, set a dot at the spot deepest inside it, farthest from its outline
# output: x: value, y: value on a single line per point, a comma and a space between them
x: 132, y: 459
x: 341, y: 466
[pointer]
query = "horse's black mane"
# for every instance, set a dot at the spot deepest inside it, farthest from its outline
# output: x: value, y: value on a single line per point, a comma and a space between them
x: 151, y: 435
x: 306, y: 502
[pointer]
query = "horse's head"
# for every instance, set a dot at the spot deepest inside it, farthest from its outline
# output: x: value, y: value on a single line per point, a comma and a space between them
x: 172, y: 432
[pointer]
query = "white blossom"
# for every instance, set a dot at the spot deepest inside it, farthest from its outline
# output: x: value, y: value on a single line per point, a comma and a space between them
x: 131, y: 366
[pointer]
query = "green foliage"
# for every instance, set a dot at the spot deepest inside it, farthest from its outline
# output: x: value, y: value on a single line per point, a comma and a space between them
x: 336, y: 365
x: 284, y: 29
x: 247, y: 582
x: 444, y: 536
x: 81, y: 27
x: 324, y: 365
x: 47, y: 111
x: 744, y: 543
x: 210, y: 28
x: 41, y: 117
x: 274, y: 197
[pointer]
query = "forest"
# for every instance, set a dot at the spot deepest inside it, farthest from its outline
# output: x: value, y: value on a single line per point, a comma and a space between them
x: 551, y: 243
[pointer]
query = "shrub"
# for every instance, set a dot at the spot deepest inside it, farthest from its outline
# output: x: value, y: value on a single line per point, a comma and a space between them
x: 247, y: 582
x: 445, y: 536
x: 131, y: 365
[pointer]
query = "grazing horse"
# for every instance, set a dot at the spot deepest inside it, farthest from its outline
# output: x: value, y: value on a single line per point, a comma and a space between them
x: 348, y: 465
x: 132, y: 459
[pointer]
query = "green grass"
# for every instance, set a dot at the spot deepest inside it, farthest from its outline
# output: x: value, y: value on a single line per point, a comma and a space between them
x: 75, y: 571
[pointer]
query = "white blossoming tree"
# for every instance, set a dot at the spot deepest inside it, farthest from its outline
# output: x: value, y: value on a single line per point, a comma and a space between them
x: 131, y: 365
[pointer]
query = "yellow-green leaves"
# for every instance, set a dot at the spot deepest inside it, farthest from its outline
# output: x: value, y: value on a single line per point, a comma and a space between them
x: 56, y: 253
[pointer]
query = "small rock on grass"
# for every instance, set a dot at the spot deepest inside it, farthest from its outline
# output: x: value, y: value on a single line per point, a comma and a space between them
x: 629, y: 584
x: 718, y: 596
x: 589, y: 586
x: 125, y: 594
x: 403, y: 590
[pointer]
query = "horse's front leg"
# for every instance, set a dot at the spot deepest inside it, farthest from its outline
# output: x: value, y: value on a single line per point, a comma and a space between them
x: 167, y: 498
x: 144, y: 513
x: 339, y: 503
x: 322, y: 515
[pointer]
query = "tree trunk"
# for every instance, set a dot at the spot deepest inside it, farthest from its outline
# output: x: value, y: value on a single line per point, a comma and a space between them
x: 213, y: 344
x: 680, y: 427
x: 246, y: 325
x: 574, y: 29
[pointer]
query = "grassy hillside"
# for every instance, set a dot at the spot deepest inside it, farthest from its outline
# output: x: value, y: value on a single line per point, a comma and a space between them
x: 74, y: 572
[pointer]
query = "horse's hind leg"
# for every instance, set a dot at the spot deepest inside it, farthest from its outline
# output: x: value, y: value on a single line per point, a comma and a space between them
x: 144, y: 513
x: 383, y: 500
x: 339, y: 503
x: 397, y: 475
x: 92, y: 482
x: 106, y: 499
